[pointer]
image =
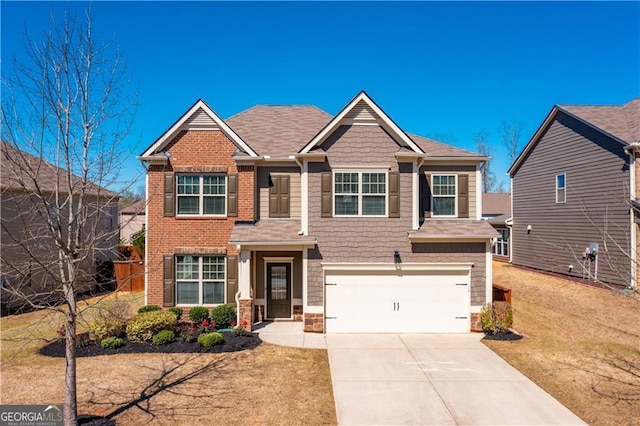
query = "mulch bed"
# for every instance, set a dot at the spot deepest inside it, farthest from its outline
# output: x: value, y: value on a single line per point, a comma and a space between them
x: 232, y: 343
x: 502, y: 336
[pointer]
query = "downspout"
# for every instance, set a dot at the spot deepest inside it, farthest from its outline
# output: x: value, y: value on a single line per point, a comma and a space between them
x: 237, y: 296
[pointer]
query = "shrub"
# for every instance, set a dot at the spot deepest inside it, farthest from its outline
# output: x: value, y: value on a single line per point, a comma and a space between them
x: 177, y: 312
x: 119, y: 310
x: 223, y: 315
x: 210, y: 339
x: 106, y: 326
x: 112, y: 343
x: 496, y: 317
x: 239, y: 330
x: 149, y: 308
x: 198, y: 314
x: 163, y: 337
x: 142, y: 327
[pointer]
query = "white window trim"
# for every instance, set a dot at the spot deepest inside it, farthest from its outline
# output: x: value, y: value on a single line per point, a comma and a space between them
x: 455, y: 196
x: 201, y: 195
x: 201, y: 281
x: 564, y: 174
x: 360, y: 194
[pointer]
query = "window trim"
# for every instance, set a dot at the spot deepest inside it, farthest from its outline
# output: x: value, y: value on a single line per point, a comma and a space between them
x: 455, y: 196
x: 360, y: 194
x: 201, y: 195
x: 201, y: 280
x: 564, y: 188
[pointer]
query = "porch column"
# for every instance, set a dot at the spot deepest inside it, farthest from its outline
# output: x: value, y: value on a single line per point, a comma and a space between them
x: 245, y: 303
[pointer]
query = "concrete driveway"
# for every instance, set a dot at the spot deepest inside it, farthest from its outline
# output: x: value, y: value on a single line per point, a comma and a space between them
x: 434, y: 379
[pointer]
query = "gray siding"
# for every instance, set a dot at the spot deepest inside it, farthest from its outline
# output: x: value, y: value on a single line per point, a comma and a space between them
x: 470, y: 171
x: 597, y: 180
x: 263, y: 190
x: 363, y: 239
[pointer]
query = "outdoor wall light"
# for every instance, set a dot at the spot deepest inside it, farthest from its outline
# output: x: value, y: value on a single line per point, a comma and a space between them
x: 396, y: 257
x: 528, y: 229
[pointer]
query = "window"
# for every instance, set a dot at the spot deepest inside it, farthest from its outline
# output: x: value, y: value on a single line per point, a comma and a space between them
x: 444, y: 195
x: 201, y: 195
x: 561, y: 182
x: 200, y: 280
x: 360, y: 194
x: 501, y: 247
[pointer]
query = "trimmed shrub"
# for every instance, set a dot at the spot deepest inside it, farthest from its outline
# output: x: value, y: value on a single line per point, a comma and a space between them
x: 177, y: 311
x: 106, y: 326
x: 223, y: 315
x: 149, y: 308
x: 142, y: 327
x: 210, y: 339
x: 112, y: 343
x: 163, y: 337
x: 496, y: 317
x: 197, y: 314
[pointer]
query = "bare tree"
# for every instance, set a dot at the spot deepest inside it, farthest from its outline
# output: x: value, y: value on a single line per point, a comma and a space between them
x: 483, y: 145
x: 511, y: 132
x: 64, y: 122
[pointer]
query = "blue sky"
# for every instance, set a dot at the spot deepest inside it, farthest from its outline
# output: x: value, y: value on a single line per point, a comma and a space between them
x: 446, y: 69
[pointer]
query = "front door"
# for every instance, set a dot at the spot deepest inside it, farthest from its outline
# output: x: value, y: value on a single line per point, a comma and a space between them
x: 278, y: 290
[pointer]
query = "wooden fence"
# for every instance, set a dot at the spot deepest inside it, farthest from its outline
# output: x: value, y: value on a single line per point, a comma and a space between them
x: 129, y: 275
x: 501, y: 294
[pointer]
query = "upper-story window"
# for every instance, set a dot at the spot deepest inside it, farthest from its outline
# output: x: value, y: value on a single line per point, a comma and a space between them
x: 444, y: 195
x: 561, y: 188
x: 201, y: 195
x: 360, y: 193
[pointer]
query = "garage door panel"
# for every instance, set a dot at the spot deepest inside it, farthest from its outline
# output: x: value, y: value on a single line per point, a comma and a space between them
x: 426, y: 302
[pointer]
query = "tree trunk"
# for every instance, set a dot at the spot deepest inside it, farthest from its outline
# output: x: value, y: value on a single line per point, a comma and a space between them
x: 70, y: 389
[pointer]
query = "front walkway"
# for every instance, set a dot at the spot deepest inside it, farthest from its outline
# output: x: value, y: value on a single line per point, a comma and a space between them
x: 289, y: 333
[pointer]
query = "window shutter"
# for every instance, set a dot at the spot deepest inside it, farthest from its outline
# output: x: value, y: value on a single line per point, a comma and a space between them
x: 394, y: 194
x: 425, y: 184
x: 169, y: 194
x: 284, y: 196
x: 169, y: 282
x: 327, y: 200
x: 232, y: 195
x: 232, y: 278
x: 463, y: 196
x: 274, y: 195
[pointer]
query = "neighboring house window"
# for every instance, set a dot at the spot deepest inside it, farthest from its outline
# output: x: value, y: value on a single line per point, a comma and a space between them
x: 444, y: 195
x: 501, y: 248
x: 201, y: 195
x: 360, y: 194
x: 200, y: 280
x: 561, y: 188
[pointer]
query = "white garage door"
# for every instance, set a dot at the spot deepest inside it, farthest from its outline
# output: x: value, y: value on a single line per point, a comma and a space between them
x: 385, y: 302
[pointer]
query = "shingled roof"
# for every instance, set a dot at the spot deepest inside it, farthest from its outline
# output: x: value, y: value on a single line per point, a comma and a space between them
x: 21, y: 170
x: 620, y: 121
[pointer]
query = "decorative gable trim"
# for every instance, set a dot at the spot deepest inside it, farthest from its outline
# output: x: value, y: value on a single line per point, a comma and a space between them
x: 199, y: 116
x: 543, y: 128
x: 361, y: 110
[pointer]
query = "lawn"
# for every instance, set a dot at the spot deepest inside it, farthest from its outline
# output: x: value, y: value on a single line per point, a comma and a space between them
x: 581, y: 344
x: 267, y: 385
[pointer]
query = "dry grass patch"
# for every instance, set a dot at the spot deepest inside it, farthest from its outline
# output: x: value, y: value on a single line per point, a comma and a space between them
x: 581, y: 344
x: 267, y: 385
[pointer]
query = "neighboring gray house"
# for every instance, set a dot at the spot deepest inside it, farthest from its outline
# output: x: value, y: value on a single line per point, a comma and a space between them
x: 345, y: 222
x: 496, y: 209
x: 132, y: 220
x: 572, y: 186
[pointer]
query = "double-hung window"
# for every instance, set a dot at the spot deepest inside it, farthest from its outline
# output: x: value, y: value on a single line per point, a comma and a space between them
x: 200, y: 280
x: 202, y: 195
x: 561, y: 188
x: 444, y: 195
x: 360, y: 193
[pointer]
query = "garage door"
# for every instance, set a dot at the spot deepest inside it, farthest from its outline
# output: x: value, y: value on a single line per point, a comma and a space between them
x: 385, y: 302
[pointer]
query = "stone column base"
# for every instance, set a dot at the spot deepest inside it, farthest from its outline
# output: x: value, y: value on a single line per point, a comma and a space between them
x: 314, y: 323
x: 246, y: 313
x: 476, y: 324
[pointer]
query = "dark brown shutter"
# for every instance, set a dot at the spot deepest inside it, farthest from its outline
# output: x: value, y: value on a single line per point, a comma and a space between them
x: 394, y: 194
x: 463, y: 195
x: 169, y: 282
x: 327, y: 199
x: 284, y: 196
x: 232, y: 278
x: 169, y: 194
x: 232, y: 195
x: 274, y: 196
x: 425, y: 200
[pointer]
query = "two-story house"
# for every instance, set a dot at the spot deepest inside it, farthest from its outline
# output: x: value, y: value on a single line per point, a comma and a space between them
x: 575, y: 192
x: 345, y: 222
